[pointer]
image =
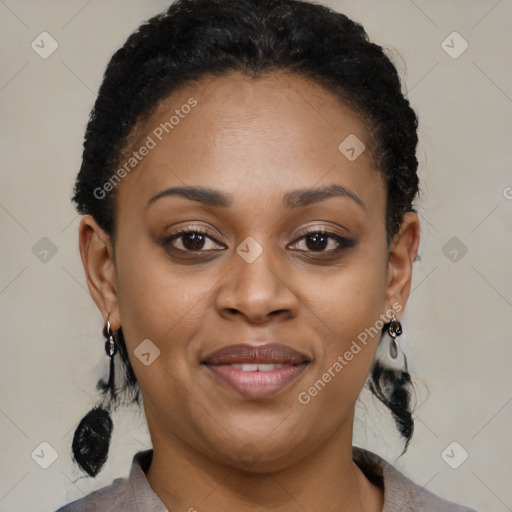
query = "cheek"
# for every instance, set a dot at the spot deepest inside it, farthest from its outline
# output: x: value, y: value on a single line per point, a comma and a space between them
x: 348, y: 299
x: 159, y: 300
x: 162, y: 305
x: 347, y: 308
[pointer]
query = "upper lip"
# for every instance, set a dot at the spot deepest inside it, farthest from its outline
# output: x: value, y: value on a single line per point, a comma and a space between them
x: 247, y: 354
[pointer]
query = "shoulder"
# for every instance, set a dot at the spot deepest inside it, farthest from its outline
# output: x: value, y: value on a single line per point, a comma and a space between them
x: 106, y: 499
x: 132, y: 494
x: 400, y: 493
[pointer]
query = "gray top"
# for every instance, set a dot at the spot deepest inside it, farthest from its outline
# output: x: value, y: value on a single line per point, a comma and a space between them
x: 134, y: 494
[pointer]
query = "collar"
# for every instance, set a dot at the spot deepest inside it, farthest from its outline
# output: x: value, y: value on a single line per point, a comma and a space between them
x: 400, y: 493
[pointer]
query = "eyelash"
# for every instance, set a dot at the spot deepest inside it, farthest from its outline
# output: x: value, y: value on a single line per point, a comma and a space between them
x: 343, y: 243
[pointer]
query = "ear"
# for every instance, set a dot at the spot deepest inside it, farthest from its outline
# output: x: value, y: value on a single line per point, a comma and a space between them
x: 402, y: 253
x: 97, y: 258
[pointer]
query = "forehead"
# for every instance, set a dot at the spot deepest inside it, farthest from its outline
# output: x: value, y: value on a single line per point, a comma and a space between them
x: 249, y: 137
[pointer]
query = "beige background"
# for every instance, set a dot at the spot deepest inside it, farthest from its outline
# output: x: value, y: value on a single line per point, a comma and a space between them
x: 457, y: 324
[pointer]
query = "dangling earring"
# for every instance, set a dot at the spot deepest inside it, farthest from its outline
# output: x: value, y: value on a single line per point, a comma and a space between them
x: 390, y: 380
x: 111, y: 350
x: 91, y: 440
x: 394, y: 330
x: 389, y: 353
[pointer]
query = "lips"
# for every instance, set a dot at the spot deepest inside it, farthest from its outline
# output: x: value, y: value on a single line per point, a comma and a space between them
x: 256, y: 371
x: 271, y: 353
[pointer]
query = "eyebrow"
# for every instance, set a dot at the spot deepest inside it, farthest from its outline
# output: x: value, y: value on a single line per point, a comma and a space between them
x: 292, y: 199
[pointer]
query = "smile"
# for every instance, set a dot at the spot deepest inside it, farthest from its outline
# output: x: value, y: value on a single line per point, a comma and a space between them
x: 256, y: 371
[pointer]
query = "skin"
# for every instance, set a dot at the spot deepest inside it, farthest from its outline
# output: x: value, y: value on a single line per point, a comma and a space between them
x: 255, y: 139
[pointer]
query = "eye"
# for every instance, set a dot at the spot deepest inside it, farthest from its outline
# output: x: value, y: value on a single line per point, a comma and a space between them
x: 193, y: 239
x: 190, y: 239
x: 318, y: 240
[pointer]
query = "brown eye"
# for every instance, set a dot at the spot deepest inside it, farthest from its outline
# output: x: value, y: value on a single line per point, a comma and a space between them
x: 319, y: 240
x: 193, y: 241
x: 190, y: 240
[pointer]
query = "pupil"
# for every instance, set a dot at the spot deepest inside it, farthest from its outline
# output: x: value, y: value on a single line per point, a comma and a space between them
x: 197, y: 241
x: 317, y: 237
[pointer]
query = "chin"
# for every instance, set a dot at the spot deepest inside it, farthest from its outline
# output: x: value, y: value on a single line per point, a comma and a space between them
x: 263, y: 452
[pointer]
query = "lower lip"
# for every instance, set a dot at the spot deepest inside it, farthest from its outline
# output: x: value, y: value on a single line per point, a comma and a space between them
x: 257, y: 384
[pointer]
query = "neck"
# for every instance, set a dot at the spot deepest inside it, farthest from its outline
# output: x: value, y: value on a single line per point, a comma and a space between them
x: 327, y: 479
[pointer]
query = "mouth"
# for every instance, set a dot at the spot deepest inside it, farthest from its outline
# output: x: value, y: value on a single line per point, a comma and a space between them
x: 256, y: 371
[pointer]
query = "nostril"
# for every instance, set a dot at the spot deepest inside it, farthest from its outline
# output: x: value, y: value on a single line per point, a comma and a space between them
x: 278, y: 312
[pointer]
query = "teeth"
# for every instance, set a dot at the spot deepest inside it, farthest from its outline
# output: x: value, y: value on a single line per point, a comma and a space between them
x: 257, y: 367
x: 268, y: 367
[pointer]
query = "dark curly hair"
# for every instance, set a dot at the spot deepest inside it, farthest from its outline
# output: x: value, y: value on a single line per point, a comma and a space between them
x: 196, y: 38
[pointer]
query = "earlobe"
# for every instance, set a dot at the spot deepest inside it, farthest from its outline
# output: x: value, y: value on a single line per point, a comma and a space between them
x: 402, y: 253
x: 97, y: 259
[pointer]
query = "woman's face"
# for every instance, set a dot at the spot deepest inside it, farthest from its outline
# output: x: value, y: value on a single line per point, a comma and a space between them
x: 268, y: 147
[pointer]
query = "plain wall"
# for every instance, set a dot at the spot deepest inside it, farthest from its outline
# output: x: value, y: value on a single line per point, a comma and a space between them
x: 457, y: 323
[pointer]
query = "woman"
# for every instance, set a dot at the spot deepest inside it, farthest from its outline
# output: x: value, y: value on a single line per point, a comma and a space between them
x: 247, y: 187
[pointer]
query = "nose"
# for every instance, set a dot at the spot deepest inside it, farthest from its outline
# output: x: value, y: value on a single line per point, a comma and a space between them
x: 258, y: 291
